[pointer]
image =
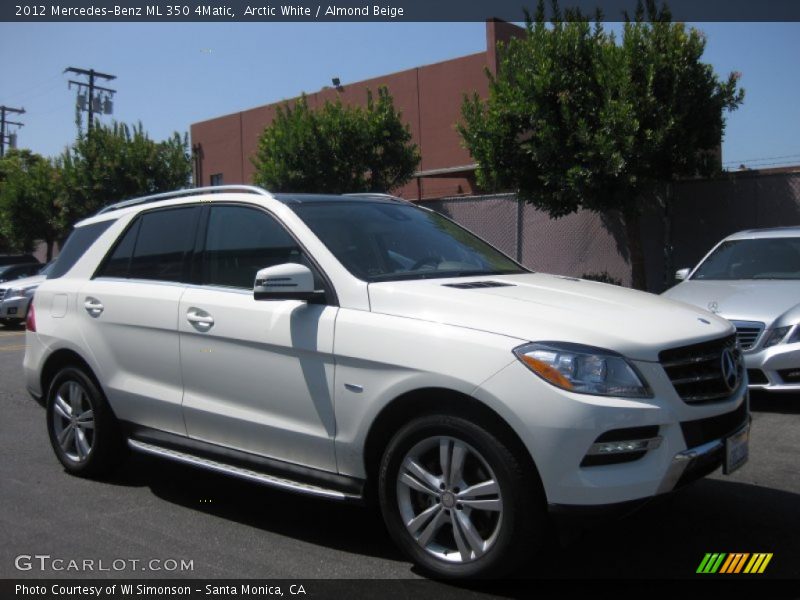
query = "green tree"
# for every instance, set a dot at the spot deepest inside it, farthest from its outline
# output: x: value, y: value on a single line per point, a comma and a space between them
x: 29, y: 198
x: 118, y: 162
x: 336, y: 149
x: 575, y: 120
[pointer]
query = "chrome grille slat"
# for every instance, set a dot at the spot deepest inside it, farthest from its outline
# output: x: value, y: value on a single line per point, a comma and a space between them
x: 690, y: 361
x: 696, y: 371
x: 748, y: 333
x: 696, y: 379
x: 704, y: 397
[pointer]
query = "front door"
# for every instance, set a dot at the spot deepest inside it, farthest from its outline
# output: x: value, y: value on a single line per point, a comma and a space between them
x: 257, y: 375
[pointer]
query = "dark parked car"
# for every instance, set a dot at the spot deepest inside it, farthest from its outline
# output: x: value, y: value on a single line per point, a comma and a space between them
x: 16, y: 259
x: 11, y: 272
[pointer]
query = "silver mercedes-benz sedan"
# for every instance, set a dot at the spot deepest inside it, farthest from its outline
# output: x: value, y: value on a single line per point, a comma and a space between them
x: 752, y: 278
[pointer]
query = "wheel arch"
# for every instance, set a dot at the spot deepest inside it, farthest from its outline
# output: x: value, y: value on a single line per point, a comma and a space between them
x: 433, y: 400
x: 59, y: 359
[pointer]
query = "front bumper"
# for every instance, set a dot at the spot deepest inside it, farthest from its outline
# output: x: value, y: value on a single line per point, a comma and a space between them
x: 560, y: 427
x: 774, y: 369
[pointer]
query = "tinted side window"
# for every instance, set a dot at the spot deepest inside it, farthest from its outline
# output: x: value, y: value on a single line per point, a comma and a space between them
x: 163, y: 243
x: 239, y: 242
x: 78, y: 243
x: 156, y: 246
x: 118, y: 264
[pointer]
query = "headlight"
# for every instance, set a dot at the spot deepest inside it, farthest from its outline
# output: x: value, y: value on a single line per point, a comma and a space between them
x: 776, y: 336
x: 17, y: 292
x: 583, y: 369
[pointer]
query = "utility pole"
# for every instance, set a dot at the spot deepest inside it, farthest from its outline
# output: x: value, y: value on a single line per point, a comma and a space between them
x: 103, y: 106
x: 4, y: 110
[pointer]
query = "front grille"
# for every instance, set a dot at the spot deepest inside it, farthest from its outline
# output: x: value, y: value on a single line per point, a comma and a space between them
x: 701, y: 431
x: 790, y: 375
x: 477, y: 284
x: 748, y: 333
x: 696, y: 371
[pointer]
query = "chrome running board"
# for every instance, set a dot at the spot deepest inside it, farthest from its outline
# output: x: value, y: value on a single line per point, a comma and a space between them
x: 240, y: 472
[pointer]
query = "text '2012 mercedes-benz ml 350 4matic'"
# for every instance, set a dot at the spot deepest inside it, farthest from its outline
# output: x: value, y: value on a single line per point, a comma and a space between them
x: 364, y: 348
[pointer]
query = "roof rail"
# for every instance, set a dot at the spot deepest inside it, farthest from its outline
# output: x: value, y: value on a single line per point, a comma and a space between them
x: 376, y: 195
x: 251, y: 189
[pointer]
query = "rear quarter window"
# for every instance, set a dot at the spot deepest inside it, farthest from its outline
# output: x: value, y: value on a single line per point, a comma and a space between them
x: 76, y: 246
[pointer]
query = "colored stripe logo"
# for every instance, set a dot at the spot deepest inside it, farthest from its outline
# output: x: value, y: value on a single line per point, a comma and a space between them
x: 736, y: 562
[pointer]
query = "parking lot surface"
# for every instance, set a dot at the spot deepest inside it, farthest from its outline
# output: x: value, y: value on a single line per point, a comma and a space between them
x: 155, y: 511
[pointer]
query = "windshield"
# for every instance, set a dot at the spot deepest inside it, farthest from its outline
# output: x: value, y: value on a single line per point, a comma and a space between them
x: 45, y: 270
x: 383, y: 242
x: 763, y: 258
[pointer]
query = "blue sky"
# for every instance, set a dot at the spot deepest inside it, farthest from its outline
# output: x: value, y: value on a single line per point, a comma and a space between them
x: 171, y: 75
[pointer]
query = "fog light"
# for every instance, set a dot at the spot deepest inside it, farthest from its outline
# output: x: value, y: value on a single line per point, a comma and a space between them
x: 601, y: 448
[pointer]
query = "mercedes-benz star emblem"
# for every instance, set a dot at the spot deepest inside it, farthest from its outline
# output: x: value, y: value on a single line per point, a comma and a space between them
x: 730, y: 373
x: 713, y: 306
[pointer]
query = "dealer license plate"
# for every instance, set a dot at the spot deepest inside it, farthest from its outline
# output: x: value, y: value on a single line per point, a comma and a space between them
x: 737, y: 450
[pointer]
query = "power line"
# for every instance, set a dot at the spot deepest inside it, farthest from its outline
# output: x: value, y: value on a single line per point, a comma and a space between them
x: 37, y: 89
x: 92, y: 103
x: 12, y: 137
x: 762, y: 159
x: 780, y: 163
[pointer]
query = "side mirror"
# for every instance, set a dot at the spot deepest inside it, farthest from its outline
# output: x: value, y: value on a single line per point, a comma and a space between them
x: 682, y: 274
x: 289, y: 281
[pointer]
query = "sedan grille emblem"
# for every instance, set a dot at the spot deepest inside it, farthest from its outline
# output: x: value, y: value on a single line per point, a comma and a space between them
x: 730, y: 372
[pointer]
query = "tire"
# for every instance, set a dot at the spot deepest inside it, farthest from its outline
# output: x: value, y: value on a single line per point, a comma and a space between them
x: 435, y: 511
x: 83, y: 430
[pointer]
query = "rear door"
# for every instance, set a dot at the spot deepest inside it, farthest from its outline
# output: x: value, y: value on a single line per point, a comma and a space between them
x: 129, y: 314
x: 257, y: 375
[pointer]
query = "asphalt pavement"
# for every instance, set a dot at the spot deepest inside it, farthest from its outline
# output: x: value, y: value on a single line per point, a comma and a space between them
x: 223, y: 528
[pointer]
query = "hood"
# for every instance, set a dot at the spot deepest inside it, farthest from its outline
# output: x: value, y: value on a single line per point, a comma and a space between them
x: 24, y: 282
x: 752, y: 300
x: 542, y: 307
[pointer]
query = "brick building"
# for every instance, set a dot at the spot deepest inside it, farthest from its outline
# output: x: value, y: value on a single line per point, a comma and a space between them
x: 429, y: 98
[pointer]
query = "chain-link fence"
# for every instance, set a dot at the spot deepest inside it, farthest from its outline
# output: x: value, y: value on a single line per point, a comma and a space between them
x: 677, y: 230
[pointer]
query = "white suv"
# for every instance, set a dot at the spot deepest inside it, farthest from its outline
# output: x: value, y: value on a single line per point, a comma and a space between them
x: 360, y: 347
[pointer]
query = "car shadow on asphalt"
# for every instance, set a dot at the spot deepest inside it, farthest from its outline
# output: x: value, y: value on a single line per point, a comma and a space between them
x: 342, y: 526
x: 785, y: 404
x: 666, y: 538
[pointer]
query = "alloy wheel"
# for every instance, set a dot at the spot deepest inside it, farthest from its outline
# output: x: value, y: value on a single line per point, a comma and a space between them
x: 73, y: 421
x: 449, y: 499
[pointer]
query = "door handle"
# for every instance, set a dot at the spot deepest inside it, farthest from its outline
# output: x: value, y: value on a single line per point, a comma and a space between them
x: 93, y: 306
x: 200, y: 319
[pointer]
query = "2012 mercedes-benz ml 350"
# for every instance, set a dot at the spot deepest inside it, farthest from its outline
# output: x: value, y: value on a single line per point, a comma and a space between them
x: 362, y: 348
